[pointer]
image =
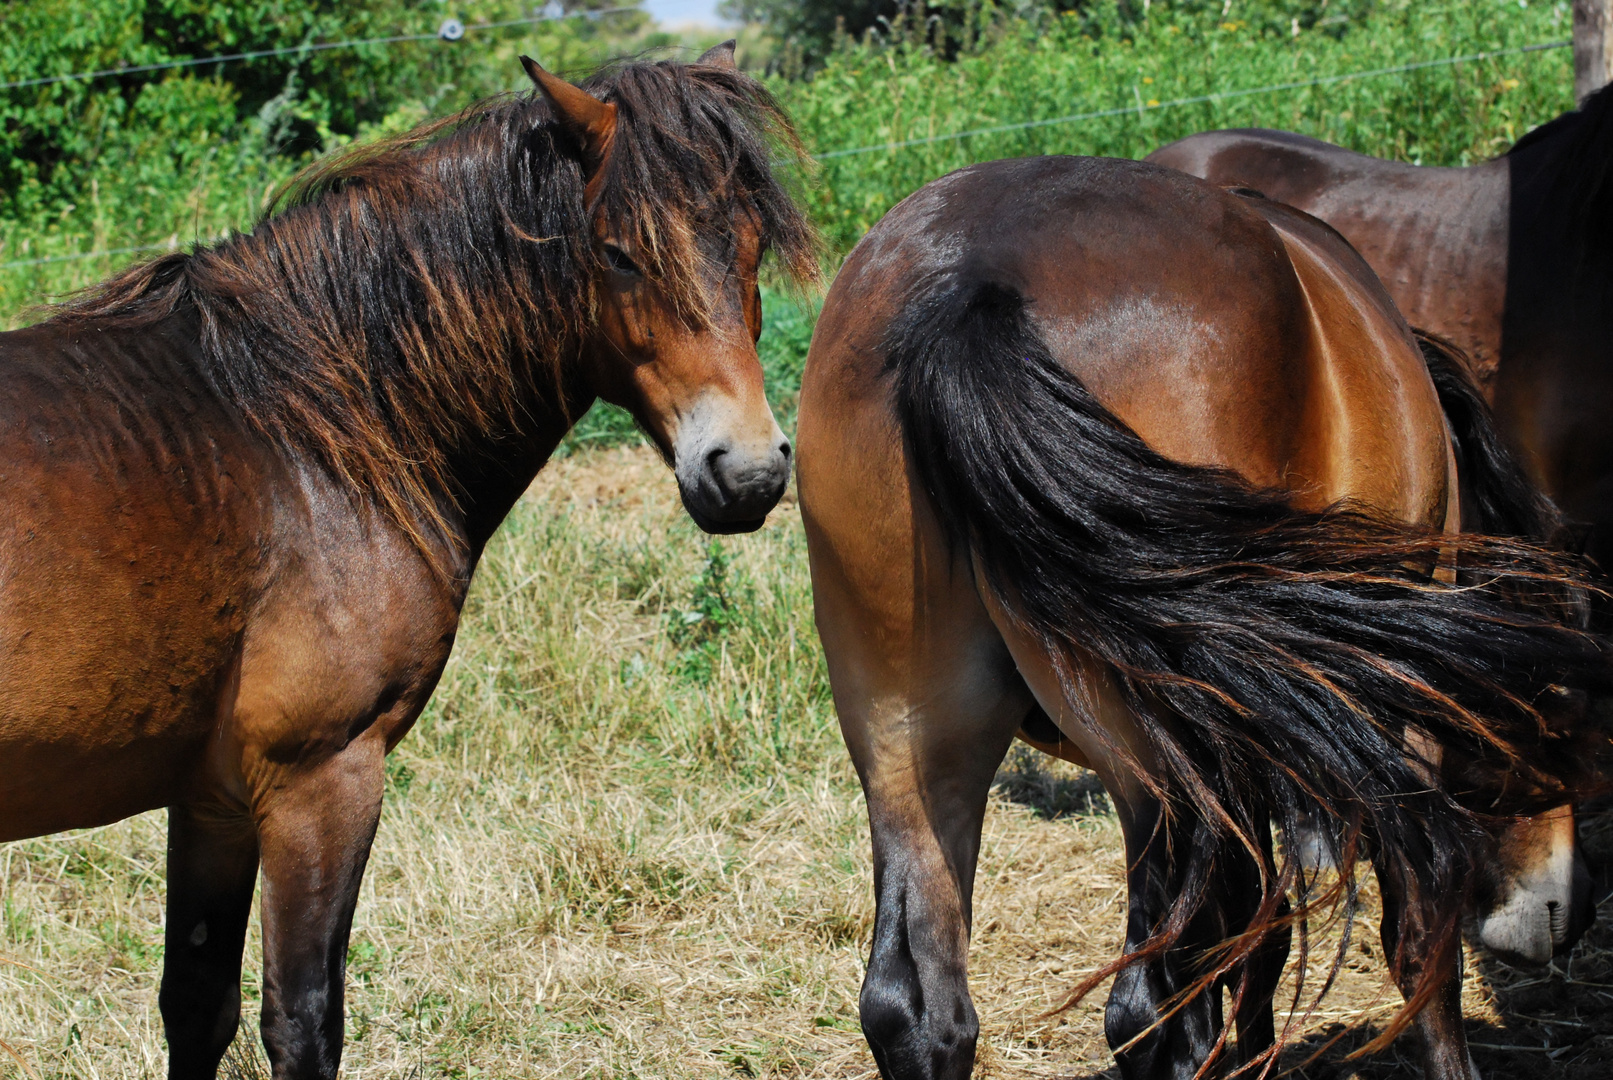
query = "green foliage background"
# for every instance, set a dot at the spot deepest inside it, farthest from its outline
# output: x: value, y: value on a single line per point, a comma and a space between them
x: 185, y: 154
x: 1103, y: 59
x: 180, y: 156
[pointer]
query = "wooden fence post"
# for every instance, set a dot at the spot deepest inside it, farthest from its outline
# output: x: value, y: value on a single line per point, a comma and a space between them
x: 1593, y: 46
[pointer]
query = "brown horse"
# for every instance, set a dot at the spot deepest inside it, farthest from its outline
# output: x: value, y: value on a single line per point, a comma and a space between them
x: 246, y: 487
x: 1512, y: 261
x: 1155, y: 475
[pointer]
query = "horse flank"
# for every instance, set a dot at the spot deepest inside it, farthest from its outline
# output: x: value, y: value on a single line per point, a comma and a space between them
x: 406, y: 300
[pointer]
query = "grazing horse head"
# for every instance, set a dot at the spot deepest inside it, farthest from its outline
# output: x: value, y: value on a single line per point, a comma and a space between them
x: 679, y: 309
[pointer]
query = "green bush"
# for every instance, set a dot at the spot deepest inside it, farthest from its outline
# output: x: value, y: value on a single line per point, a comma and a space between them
x: 869, y: 94
x: 186, y: 154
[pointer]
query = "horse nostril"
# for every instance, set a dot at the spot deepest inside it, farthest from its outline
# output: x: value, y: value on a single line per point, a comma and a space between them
x: 784, y: 448
x: 1557, y: 920
x: 714, y: 464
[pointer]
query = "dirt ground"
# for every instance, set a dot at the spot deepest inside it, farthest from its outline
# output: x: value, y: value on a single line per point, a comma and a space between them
x: 615, y: 847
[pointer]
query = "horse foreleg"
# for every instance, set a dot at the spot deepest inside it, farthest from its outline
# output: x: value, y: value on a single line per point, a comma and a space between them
x: 315, y: 831
x: 212, y: 869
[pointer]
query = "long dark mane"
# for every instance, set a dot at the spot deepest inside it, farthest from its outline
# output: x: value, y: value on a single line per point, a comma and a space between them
x: 404, y: 299
x: 1575, y: 167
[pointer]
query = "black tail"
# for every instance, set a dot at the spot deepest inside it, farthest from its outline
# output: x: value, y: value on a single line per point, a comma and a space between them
x: 1498, y: 498
x: 1276, y: 659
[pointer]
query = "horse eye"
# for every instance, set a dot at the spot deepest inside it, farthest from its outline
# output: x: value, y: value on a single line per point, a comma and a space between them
x: 620, y: 263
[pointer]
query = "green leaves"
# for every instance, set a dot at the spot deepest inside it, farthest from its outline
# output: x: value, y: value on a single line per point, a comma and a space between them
x: 1112, y: 56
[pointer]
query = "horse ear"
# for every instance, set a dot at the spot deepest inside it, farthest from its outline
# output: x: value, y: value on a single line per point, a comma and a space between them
x: 591, y: 122
x: 720, y: 56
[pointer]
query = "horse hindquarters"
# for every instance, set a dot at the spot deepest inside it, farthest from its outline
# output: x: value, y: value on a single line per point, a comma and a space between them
x: 929, y: 700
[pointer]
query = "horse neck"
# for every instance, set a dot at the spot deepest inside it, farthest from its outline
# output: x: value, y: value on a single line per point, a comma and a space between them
x: 410, y: 328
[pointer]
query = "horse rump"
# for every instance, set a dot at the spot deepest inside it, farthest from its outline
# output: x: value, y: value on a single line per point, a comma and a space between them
x: 1281, y: 663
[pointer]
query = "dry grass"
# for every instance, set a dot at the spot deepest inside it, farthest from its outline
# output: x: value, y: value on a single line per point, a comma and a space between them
x: 625, y: 842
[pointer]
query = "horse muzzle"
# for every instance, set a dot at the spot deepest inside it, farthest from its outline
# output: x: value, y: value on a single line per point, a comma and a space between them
x: 729, y: 488
x: 1545, y: 903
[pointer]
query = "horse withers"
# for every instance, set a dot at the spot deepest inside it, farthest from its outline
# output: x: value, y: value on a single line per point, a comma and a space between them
x: 1510, y: 260
x: 1096, y: 452
x: 246, y: 487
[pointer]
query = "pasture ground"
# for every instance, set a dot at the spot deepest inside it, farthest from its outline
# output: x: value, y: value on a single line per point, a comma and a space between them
x: 625, y: 841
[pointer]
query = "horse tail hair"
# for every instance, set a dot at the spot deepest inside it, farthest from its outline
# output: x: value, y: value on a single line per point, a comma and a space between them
x: 1498, y: 498
x: 1277, y: 661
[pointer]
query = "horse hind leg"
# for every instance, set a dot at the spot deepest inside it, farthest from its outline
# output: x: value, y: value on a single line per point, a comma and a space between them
x: 1254, y: 983
x: 1148, y: 1044
x: 212, y: 870
x: 1445, y: 1052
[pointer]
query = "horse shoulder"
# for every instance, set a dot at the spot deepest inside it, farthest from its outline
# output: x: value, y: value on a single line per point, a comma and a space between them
x: 351, y: 630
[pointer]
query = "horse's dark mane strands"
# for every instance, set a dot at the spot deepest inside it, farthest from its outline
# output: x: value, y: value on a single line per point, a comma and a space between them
x: 404, y: 296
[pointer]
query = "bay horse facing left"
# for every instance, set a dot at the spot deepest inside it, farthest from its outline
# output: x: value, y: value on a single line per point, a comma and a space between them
x: 245, y: 488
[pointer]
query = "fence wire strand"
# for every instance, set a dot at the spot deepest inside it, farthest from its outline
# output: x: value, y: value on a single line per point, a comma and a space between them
x: 902, y: 144
x: 310, y: 47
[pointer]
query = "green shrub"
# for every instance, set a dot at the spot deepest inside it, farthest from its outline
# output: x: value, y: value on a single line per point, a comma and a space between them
x: 874, y: 93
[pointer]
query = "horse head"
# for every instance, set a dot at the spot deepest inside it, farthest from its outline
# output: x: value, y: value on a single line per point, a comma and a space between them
x: 682, y: 207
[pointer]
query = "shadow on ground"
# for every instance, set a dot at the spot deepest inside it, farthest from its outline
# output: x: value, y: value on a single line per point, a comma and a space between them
x: 1052, y: 788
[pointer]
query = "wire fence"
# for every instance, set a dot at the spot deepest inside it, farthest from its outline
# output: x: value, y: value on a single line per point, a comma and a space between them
x: 450, y: 30
x: 903, y: 144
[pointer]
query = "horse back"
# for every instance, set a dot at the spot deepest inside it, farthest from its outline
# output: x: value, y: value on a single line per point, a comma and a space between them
x: 1419, y: 227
